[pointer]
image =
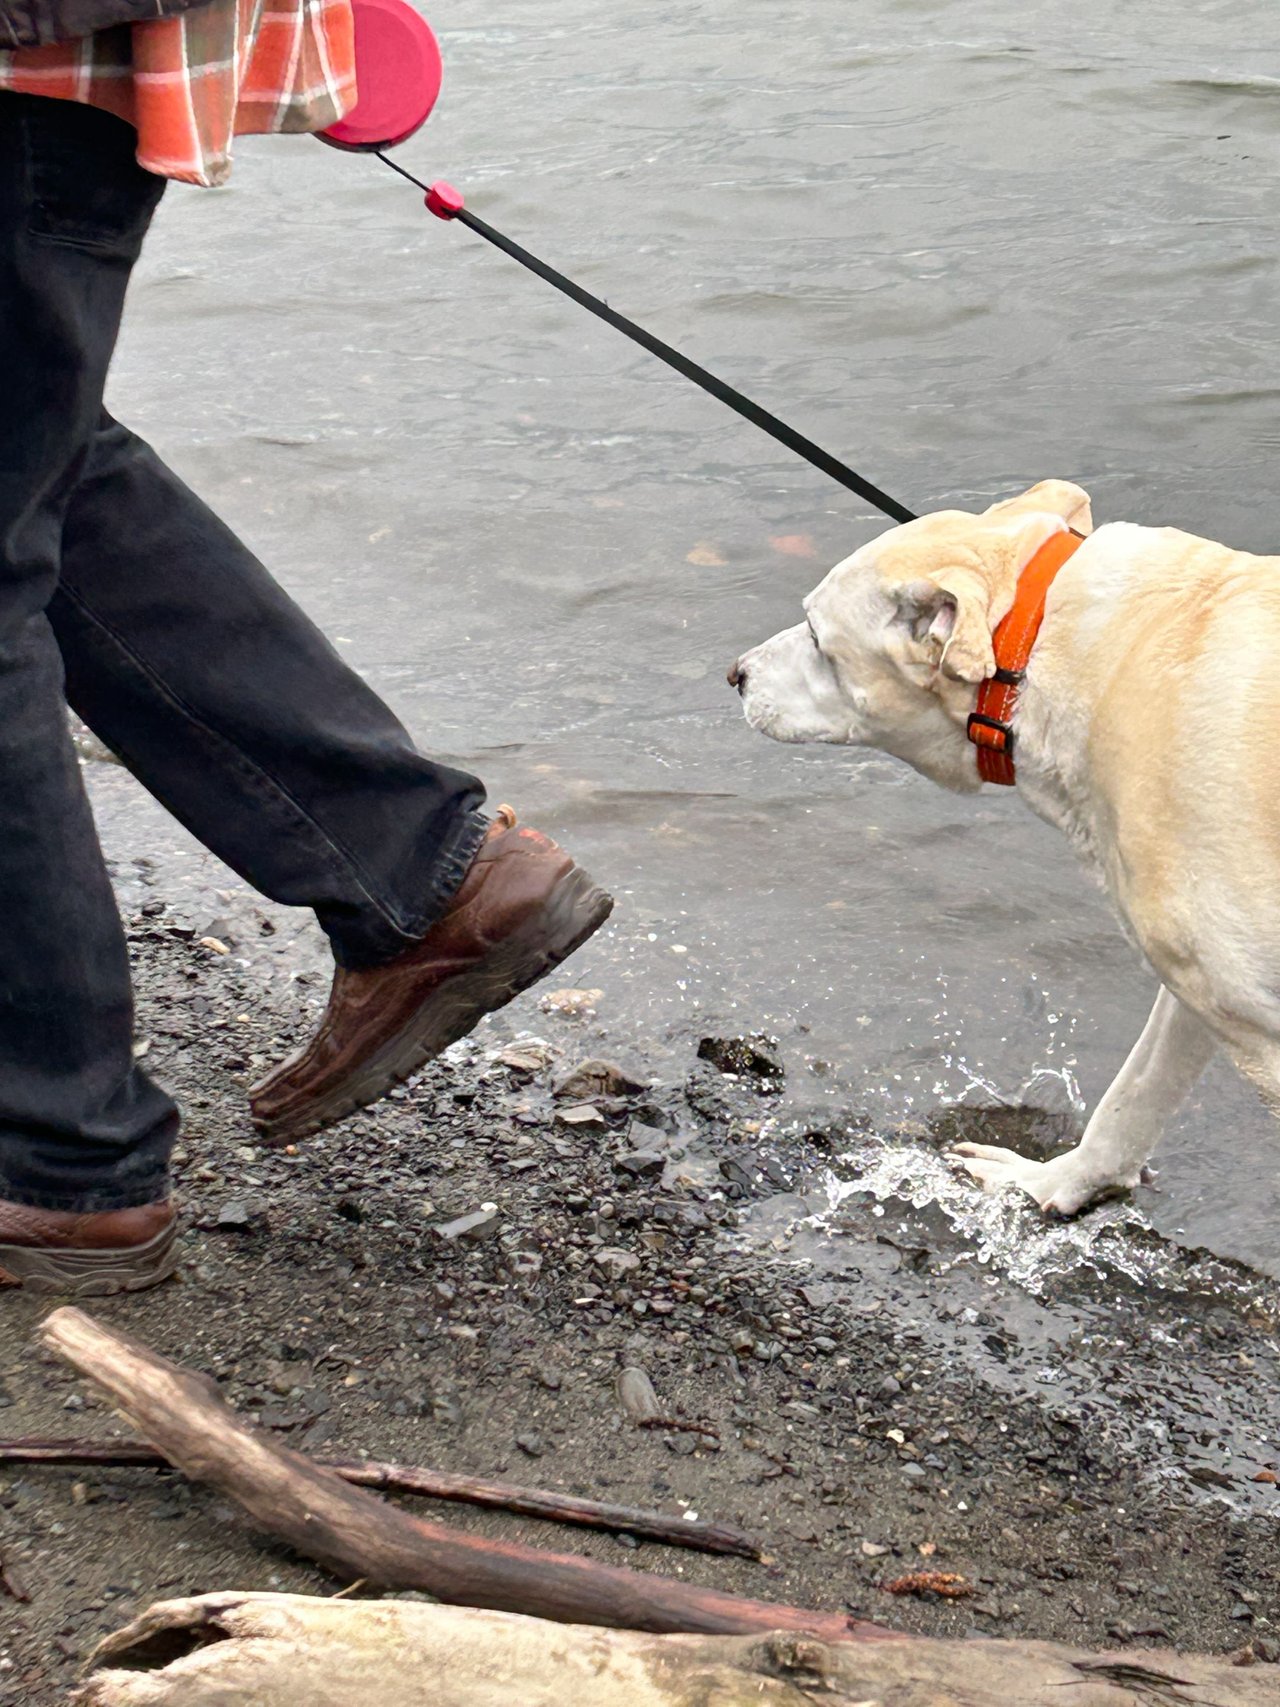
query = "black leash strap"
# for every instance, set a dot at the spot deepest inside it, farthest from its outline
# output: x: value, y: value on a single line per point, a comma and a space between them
x: 727, y: 394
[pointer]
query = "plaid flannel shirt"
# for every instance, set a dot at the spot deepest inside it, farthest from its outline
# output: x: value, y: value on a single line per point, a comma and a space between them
x: 190, y: 83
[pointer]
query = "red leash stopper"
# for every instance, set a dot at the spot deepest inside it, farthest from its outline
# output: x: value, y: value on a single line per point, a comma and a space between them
x: 398, y: 77
x: 444, y: 201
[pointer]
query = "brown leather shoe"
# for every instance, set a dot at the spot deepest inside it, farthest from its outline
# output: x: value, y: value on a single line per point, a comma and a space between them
x: 87, y: 1256
x: 523, y: 907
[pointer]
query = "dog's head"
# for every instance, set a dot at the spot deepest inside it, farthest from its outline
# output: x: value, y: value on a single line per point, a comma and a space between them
x: 898, y: 636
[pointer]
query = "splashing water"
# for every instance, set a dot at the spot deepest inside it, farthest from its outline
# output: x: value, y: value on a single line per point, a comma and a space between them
x: 1008, y: 1234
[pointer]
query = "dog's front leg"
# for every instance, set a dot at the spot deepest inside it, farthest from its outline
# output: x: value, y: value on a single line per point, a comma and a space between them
x: 1166, y: 1061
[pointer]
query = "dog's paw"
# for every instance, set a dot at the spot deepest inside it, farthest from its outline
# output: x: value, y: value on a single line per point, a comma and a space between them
x: 1061, y: 1187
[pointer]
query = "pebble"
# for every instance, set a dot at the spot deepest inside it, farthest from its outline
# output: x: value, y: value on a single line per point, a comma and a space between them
x: 636, y: 1395
x: 596, y: 1078
x: 741, y: 1056
x: 581, y: 1114
x: 617, y: 1263
x: 238, y: 1215
x: 479, y: 1224
x: 573, y: 1004
x: 642, y: 1164
x: 528, y: 1058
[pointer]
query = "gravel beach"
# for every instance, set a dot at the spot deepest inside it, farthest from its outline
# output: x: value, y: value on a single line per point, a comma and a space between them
x: 458, y: 1277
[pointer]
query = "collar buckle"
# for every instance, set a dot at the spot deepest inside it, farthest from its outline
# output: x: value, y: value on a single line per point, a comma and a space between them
x: 990, y: 733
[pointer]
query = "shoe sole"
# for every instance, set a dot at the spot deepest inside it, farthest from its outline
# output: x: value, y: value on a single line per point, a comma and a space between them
x: 90, y: 1274
x: 574, y: 912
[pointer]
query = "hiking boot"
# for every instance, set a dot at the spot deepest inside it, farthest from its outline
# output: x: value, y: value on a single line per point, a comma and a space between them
x: 522, y: 908
x: 87, y: 1255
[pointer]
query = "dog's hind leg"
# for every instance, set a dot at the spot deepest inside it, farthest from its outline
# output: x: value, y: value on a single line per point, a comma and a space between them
x: 1173, y: 1051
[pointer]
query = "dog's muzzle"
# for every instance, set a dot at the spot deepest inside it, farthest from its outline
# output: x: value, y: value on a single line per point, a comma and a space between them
x: 737, y: 677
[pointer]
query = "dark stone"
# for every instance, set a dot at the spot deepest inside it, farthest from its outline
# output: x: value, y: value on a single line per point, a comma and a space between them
x: 745, y: 1056
x: 642, y: 1164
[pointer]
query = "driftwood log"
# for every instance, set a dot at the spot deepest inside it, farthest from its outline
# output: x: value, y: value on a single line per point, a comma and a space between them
x: 361, y: 1538
x: 276, y: 1650
x: 701, y: 1535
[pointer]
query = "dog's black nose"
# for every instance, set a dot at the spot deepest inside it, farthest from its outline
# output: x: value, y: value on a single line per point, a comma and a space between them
x: 737, y: 675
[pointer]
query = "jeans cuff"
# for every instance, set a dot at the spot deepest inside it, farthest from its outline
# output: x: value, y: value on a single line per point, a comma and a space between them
x: 383, y: 939
x: 87, y: 1202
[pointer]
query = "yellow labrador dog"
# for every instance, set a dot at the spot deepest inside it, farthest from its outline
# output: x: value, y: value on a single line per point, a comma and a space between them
x: 1147, y: 728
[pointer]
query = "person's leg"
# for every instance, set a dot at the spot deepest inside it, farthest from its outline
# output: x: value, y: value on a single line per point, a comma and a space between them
x: 82, y: 1130
x: 186, y: 659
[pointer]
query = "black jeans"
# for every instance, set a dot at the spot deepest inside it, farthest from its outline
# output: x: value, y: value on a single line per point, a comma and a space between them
x: 121, y: 593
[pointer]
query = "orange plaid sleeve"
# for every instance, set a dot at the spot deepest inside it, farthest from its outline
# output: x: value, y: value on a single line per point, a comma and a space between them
x: 190, y: 84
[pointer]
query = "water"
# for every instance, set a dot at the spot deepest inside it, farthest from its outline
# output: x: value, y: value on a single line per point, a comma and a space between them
x: 963, y: 245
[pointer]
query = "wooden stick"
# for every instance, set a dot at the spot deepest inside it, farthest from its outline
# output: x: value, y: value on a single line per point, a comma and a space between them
x: 354, y: 1534
x: 298, y: 1651
x: 702, y: 1536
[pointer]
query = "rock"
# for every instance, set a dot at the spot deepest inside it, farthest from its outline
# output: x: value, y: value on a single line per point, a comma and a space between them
x: 581, y: 1114
x: 636, y: 1395
x: 642, y: 1164
x: 527, y: 1058
x: 617, y: 1263
x: 479, y: 1224
x: 1210, y: 1477
x: 595, y: 1078
x: 572, y: 1004
x: 745, y: 1056
x: 240, y: 1215
x: 530, y: 1445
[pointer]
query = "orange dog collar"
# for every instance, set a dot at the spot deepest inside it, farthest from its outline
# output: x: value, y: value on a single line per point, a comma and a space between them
x: 990, y: 723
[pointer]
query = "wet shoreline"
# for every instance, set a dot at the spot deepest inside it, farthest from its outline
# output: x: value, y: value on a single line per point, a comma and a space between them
x: 862, y: 1381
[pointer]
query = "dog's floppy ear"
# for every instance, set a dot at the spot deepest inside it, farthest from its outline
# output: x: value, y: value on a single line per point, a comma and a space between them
x: 958, y: 593
x: 949, y: 617
x: 1058, y: 497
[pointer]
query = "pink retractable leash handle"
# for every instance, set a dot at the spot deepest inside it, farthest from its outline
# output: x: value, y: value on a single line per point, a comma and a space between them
x: 398, y: 77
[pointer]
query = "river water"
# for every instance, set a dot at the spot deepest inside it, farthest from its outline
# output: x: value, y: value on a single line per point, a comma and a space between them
x: 964, y: 246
